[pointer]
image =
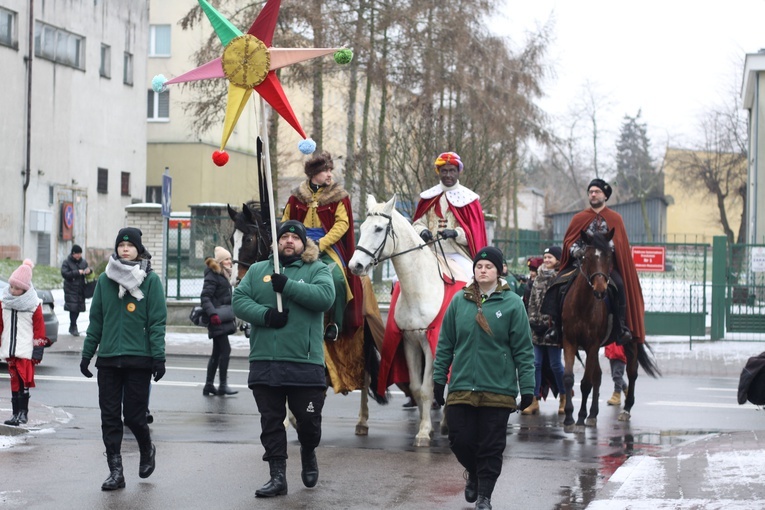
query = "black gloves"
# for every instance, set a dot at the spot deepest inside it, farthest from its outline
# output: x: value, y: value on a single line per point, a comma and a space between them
x: 526, y: 401
x: 426, y: 235
x: 438, y: 393
x: 84, y: 362
x: 158, y: 369
x: 449, y: 233
x: 276, y: 319
x: 278, y: 281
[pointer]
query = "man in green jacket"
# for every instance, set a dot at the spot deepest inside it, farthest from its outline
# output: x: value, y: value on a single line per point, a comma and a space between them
x: 287, y: 350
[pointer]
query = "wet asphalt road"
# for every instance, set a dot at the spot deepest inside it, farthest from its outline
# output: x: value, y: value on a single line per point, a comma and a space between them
x: 209, y: 454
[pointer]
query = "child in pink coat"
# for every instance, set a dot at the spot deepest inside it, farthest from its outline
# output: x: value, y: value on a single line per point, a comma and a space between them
x: 22, y: 337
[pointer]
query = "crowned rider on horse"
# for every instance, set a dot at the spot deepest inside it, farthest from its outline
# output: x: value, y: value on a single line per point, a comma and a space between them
x: 629, y: 309
x: 324, y: 207
x: 453, y: 211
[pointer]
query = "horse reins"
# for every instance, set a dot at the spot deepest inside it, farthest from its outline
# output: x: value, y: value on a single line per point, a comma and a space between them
x: 592, y: 276
x: 376, y: 259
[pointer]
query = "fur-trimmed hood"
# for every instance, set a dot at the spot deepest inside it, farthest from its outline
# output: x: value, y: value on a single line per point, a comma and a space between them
x: 311, y: 252
x: 328, y: 195
x: 214, y: 265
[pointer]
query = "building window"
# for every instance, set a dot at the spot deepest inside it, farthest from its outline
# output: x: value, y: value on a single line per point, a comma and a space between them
x: 105, y: 70
x: 158, y: 106
x: 153, y: 194
x: 127, y: 69
x: 125, y: 188
x: 8, y: 28
x: 159, y: 41
x: 103, y: 180
x: 59, y: 45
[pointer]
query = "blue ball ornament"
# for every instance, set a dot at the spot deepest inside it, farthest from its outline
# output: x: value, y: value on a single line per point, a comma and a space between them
x: 158, y: 83
x: 307, y: 146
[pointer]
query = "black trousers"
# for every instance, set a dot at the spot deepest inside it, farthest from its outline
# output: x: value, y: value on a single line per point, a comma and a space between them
x: 221, y: 354
x: 478, y: 436
x: 123, y: 392
x: 73, y: 318
x: 305, y: 402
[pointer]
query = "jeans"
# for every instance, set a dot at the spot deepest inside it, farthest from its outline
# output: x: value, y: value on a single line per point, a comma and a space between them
x: 554, y: 359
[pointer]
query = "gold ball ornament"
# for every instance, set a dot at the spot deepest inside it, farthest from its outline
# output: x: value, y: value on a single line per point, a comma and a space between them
x: 246, y: 61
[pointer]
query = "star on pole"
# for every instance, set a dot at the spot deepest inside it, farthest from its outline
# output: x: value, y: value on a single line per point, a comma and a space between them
x: 249, y: 64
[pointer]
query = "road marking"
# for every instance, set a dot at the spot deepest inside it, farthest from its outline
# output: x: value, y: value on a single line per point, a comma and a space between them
x: 706, y: 405
x: 734, y: 390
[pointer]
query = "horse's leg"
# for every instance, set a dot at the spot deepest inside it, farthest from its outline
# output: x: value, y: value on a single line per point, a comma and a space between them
x: 596, y: 379
x: 585, y: 387
x: 569, y: 352
x: 362, y: 428
x: 413, y: 353
x: 631, y: 351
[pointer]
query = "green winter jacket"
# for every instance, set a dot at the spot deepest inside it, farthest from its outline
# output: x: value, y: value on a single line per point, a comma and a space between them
x: 480, y: 362
x: 127, y: 327
x: 309, y: 293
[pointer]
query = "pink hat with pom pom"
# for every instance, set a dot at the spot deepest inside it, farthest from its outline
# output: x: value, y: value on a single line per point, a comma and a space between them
x: 22, y: 276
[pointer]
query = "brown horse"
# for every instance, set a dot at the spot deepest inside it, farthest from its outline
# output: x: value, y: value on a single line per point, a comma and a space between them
x: 586, y: 326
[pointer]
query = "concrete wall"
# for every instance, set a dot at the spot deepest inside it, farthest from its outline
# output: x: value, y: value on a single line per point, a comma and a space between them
x: 148, y: 217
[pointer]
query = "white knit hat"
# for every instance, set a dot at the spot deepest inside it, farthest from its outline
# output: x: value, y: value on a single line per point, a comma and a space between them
x: 221, y: 254
x: 22, y: 276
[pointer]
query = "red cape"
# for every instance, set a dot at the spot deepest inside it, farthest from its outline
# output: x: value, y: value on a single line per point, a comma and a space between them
x: 354, y: 316
x: 470, y: 218
x: 393, y: 362
x: 624, y: 263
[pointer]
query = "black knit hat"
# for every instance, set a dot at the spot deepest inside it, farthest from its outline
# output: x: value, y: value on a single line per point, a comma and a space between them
x: 491, y: 254
x: 76, y: 248
x: 555, y: 251
x: 131, y: 235
x: 603, y: 185
x: 292, y: 226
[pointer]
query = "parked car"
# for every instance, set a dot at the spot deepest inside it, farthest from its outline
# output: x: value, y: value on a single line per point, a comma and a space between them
x: 51, y: 321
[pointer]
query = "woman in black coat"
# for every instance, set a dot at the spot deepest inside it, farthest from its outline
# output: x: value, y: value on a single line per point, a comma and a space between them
x: 216, y: 301
x: 74, y: 270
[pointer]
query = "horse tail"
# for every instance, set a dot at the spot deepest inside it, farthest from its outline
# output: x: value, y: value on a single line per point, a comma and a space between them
x: 372, y: 365
x: 647, y: 361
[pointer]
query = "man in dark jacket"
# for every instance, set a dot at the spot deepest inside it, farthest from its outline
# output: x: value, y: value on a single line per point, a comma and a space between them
x: 286, y: 349
x: 74, y: 269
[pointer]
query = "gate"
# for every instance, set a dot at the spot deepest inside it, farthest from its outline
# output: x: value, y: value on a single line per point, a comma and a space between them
x: 745, y: 288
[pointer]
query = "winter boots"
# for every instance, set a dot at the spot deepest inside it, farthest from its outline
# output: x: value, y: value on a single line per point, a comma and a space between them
x: 532, y: 409
x: 116, y: 479
x: 562, y: 406
x: 485, y: 488
x: 209, y: 389
x: 73, y: 330
x: 616, y: 399
x: 20, y: 405
x: 223, y: 389
x: 624, y: 335
x: 310, y: 473
x: 277, y: 485
x: 148, y: 457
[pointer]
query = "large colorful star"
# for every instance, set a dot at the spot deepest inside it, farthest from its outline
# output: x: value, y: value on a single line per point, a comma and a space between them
x: 249, y: 63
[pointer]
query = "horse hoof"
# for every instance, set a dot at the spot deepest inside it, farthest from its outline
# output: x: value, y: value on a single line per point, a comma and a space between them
x: 580, y: 429
x: 591, y: 422
x: 569, y: 428
x: 421, y: 442
x: 625, y: 416
x: 362, y: 430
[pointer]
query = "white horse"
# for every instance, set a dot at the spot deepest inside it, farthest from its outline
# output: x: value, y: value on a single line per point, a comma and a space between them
x: 386, y: 234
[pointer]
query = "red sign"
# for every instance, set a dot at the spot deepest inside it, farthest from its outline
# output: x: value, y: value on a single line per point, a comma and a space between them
x: 649, y: 258
x: 173, y: 223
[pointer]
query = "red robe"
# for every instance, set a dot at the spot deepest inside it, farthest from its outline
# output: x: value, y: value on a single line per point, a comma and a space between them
x: 470, y: 218
x: 624, y: 263
x: 346, y: 246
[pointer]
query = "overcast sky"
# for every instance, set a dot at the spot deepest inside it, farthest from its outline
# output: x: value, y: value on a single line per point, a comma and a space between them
x: 670, y: 58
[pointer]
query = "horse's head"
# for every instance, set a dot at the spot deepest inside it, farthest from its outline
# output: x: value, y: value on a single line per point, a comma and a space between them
x: 376, y: 236
x: 597, y: 261
x: 250, y: 240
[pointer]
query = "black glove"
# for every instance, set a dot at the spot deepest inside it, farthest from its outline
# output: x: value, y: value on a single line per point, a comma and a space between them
x: 526, y: 401
x: 449, y: 233
x: 438, y: 393
x: 158, y: 369
x: 278, y: 281
x: 84, y: 362
x: 426, y: 235
x: 276, y: 319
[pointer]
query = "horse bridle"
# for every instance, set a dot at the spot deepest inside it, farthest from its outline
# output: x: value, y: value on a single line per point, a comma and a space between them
x: 592, y: 276
x: 389, y: 232
x: 262, y: 245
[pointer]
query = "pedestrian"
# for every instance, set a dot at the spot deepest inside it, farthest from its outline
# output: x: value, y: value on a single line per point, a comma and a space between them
x: 533, y: 264
x: 127, y: 331
x: 324, y: 207
x: 547, y: 353
x: 453, y: 212
x: 485, y: 342
x: 216, y: 301
x: 618, y: 362
x: 74, y: 269
x: 22, y: 338
x: 287, y: 349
